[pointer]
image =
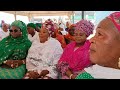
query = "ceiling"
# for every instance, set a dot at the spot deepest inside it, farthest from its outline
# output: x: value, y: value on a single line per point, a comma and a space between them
x: 41, y: 13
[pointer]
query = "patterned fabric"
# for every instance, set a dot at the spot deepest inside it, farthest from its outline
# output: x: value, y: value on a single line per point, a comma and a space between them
x: 63, y: 67
x: 9, y: 73
x: 115, y: 18
x: 49, y: 25
x: 101, y: 72
x: 75, y: 60
x: 84, y: 75
x: 85, y: 26
x: 44, y: 56
x: 31, y: 25
x: 15, y: 48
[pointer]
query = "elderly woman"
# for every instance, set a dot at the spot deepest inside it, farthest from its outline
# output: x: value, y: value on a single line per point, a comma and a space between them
x: 13, y: 52
x: 75, y: 56
x: 43, y: 56
x: 105, y: 50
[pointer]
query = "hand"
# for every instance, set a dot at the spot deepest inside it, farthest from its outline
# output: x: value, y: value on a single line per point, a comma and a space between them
x: 31, y: 75
x: 44, y: 73
x: 9, y: 63
x: 14, y: 63
x: 73, y: 76
x: 68, y: 72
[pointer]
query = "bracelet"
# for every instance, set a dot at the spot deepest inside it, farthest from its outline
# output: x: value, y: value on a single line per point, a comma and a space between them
x: 71, y: 76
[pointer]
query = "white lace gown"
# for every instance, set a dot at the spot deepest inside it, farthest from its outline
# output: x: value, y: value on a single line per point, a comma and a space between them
x: 44, y: 56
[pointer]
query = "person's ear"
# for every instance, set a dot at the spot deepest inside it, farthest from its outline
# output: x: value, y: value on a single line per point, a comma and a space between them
x: 119, y: 62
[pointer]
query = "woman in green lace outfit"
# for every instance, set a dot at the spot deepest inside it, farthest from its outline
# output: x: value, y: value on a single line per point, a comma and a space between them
x: 13, y: 52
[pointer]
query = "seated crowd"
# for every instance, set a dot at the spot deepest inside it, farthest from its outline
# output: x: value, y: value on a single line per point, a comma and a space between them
x: 42, y: 51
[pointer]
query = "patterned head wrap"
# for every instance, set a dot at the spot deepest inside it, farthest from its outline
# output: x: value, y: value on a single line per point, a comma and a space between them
x: 115, y: 18
x: 23, y: 28
x: 85, y: 26
x: 49, y: 25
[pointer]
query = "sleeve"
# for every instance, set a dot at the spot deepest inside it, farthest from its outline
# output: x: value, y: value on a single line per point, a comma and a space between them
x: 54, y: 60
x: 62, y: 65
x: 30, y: 62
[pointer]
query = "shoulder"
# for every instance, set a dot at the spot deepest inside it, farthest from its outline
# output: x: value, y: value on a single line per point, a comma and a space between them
x: 28, y: 43
x: 53, y: 41
x: 84, y: 75
x: 87, y: 43
x: 70, y: 45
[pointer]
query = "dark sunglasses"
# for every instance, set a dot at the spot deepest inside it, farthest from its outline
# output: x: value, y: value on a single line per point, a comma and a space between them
x: 14, y: 30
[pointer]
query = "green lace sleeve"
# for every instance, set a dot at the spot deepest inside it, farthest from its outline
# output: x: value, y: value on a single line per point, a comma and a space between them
x: 84, y: 75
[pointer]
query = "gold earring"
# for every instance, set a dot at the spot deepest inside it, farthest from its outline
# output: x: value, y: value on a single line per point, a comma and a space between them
x: 119, y: 62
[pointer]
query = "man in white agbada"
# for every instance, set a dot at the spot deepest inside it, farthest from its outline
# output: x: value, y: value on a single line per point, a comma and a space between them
x: 4, y: 31
x: 32, y: 33
x: 43, y: 57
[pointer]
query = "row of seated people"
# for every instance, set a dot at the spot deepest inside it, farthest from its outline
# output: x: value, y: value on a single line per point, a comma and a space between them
x: 44, y: 58
x: 40, y: 57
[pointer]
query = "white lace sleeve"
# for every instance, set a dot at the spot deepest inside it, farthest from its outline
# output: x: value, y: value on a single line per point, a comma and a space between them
x: 54, y: 60
x: 31, y: 61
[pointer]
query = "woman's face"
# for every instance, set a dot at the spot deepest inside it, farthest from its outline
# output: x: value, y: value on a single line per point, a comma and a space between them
x: 30, y: 30
x: 15, y: 32
x: 5, y: 27
x: 71, y: 31
x: 43, y: 35
x: 105, y: 45
x: 79, y: 36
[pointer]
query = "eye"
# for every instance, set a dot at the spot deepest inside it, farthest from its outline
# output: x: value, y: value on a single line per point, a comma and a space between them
x: 99, y: 34
x: 75, y: 34
x: 81, y: 34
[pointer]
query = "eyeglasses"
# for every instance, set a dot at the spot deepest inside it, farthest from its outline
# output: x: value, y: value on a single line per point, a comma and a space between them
x: 14, y: 30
